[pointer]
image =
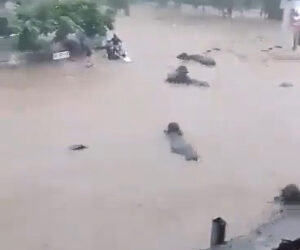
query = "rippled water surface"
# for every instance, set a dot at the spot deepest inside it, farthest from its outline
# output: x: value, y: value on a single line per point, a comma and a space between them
x: 127, y: 191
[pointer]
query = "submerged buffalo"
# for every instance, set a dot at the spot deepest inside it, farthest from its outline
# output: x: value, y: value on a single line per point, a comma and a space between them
x: 178, y: 144
x: 180, y: 76
x: 205, y: 60
x: 289, y: 244
x: 290, y: 194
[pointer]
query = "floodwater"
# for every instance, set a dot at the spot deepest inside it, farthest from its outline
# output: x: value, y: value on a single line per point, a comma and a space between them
x: 127, y: 191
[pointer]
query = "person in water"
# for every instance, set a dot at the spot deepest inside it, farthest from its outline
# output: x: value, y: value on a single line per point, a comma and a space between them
x: 110, y: 50
x: 114, y: 48
x: 87, y: 50
x: 116, y: 41
x: 117, y: 44
x: 89, y: 53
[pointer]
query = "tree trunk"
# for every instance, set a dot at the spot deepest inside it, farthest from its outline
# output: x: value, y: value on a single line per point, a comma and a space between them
x: 126, y: 8
x: 272, y: 8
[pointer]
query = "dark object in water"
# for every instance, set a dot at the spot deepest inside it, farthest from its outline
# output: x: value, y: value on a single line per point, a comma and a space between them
x: 182, y: 70
x: 205, y: 60
x: 289, y: 245
x: 218, y: 232
x: 290, y: 194
x: 178, y: 144
x: 180, y: 76
x: 286, y: 85
x: 173, y: 127
x: 78, y: 147
x: 216, y: 49
x: 208, y: 51
x: 271, y: 48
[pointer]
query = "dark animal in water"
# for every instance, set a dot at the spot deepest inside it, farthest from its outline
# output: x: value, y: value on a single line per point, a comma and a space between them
x: 205, y: 60
x: 180, y: 76
x: 178, y: 144
x: 173, y: 127
x: 289, y: 245
x: 290, y: 194
x: 78, y: 147
x: 286, y: 85
x: 278, y: 47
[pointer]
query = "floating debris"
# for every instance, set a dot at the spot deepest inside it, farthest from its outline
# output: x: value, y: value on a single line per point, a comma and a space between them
x: 78, y: 147
x: 286, y: 85
x: 271, y: 48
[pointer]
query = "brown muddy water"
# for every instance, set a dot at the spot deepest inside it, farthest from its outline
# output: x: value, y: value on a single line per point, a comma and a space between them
x: 127, y: 191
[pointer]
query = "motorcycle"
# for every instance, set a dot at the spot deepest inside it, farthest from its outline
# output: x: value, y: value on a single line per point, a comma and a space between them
x: 115, y: 52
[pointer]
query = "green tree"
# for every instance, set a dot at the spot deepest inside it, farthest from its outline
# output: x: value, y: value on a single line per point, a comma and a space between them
x: 61, y: 17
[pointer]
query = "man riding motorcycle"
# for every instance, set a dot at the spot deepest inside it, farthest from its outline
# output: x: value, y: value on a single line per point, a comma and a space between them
x: 114, y: 48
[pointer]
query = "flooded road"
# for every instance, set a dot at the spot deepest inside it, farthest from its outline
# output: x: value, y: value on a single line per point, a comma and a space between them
x: 127, y: 191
